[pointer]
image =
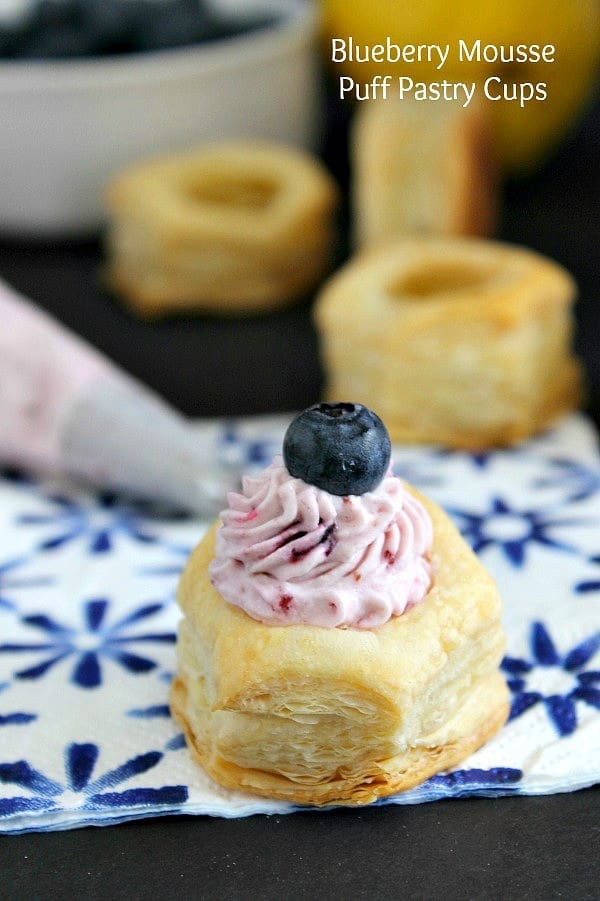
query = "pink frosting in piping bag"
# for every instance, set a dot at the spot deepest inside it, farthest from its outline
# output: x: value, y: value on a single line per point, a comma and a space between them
x: 43, y: 368
x: 66, y: 408
x: 290, y: 553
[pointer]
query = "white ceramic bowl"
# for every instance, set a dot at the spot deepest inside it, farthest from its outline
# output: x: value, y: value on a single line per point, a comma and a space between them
x: 68, y: 125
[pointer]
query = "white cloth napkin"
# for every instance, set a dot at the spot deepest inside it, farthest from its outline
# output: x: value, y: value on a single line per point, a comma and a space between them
x: 87, y: 624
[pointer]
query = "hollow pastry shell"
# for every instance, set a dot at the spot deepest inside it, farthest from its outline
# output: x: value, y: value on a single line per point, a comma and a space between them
x: 460, y: 342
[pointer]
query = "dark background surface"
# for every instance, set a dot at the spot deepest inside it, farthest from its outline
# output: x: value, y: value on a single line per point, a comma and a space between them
x: 510, y: 848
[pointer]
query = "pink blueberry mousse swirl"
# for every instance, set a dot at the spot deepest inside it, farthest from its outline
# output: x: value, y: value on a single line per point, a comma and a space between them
x: 288, y: 552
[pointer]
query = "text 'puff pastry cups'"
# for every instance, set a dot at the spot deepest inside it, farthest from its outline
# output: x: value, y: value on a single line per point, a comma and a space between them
x: 320, y: 715
x: 235, y: 227
x: 459, y: 342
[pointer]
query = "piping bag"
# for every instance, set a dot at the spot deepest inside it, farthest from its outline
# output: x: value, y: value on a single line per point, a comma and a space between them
x: 66, y: 408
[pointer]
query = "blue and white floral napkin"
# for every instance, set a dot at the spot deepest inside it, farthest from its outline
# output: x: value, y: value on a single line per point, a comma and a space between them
x: 87, y: 631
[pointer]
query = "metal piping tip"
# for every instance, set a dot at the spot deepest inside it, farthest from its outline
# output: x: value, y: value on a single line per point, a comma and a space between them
x: 122, y: 437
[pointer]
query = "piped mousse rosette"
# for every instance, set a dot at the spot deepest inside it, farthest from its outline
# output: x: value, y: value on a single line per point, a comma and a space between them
x: 340, y: 641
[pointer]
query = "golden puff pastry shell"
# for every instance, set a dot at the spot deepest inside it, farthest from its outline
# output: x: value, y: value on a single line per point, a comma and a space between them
x: 316, y: 715
x: 422, y: 167
x: 461, y: 342
x: 231, y: 227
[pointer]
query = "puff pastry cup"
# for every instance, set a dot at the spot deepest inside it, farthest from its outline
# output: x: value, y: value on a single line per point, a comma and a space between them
x: 234, y: 227
x: 322, y: 715
x: 459, y: 342
x: 422, y: 167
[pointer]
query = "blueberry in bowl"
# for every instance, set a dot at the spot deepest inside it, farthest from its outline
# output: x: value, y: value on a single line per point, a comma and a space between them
x: 108, y: 82
x: 66, y: 29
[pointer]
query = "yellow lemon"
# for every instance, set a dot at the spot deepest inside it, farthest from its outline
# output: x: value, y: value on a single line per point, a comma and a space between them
x: 528, y: 127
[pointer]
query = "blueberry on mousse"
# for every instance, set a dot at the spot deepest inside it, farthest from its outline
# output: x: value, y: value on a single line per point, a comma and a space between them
x: 325, y: 535
x: 342, y: 448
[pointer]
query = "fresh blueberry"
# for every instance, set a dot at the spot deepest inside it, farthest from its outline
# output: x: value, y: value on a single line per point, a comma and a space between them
x: 172, y: 23
x: 14, y: 25
x: 110, y: 25
x: 236, y: 26
x: 74, y: 28
x: 342, y: 448
x: 11, y: 40
x: 60, y: 42
x: 54, y: 32
x: 56, y: 13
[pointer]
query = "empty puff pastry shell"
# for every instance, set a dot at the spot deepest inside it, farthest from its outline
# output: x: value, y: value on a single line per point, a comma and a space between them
x: 316, y: 715
x: 227, y: 228
x: 459, y: 342
x: 422, y: 167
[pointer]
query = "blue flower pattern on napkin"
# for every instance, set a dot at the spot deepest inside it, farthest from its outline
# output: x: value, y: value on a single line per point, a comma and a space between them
x: 578, y: 481
x: 589, y: 585
x: 9, y: 580
x: 89, y: 644
x: 79, y: 789
x: 97, y: 524
x: 510, y: 528
x: 77, y: 627
x: 562, y: 708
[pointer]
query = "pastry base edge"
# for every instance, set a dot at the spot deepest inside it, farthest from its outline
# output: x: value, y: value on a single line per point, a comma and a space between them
x: 379, y: 780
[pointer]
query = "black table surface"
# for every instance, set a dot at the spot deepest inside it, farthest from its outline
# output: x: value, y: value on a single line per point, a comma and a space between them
x: 521, y: 848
